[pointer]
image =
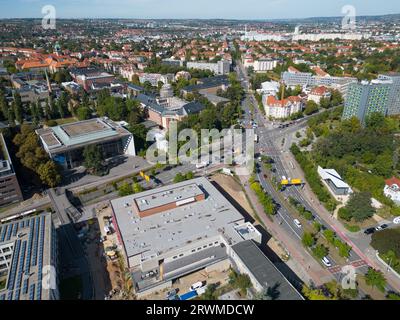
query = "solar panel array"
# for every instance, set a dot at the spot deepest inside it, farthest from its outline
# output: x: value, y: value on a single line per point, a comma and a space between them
x: 25, y: 273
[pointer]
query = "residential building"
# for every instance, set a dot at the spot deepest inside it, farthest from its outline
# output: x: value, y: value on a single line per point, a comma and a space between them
x: 28, y: 253
x: 163, y: 110
x: 282, y: 109
x: 366, y: 98
x: 335, y: 182
x: 392, y: 190
x: 208, y: 85
x: 221, y: 67
x: 317, y: 93
x: 65, y: 143
x: 264, y: 65
x: 10, y: 191
x: 394, y: 101
x: 86, y: 77
x: 305, y: 79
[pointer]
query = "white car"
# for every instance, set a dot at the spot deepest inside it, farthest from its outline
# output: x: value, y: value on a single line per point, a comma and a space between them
x: 297, y: 223
x: 326, y: 262
x: 396, y: 220
x: 197, y: 286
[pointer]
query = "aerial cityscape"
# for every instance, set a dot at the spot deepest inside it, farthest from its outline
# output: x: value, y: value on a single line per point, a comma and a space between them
x: 164, y: 151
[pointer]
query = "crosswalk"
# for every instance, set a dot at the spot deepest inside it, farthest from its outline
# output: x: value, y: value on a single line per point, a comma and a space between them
x: 356, y: 264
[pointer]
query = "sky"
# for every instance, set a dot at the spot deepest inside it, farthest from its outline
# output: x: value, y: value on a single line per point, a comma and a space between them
x: 203, y: 9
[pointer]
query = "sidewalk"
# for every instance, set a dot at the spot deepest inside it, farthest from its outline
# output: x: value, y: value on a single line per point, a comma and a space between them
x: 301, y: 262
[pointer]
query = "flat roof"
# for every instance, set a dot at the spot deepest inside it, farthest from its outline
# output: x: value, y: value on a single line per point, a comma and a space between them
x: 156, y: 199
x: 265, y: 271
x: 175, y: 228
x: 80, y: 133
x: 31, y: 242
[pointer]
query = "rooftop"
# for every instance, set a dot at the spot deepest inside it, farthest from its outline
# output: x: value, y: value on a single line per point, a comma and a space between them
x: 80, y: 133
x: 333, y: 176
x: 30, y: 242
x: 265, y: 271
x: 186, y: 221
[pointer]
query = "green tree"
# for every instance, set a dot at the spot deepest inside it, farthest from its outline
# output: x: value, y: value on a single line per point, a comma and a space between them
x: 311, y: 107
x: 375, y: 279
x: 49, y: 174
x: 93, y: 158
x: 308, y: 239
x: 320, y: 251
x: 360, y: 206
x: 125, y: 189
x: 83, y: 113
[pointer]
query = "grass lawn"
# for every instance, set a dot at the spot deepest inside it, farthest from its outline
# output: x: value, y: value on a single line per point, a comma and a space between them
x: 70, y: 289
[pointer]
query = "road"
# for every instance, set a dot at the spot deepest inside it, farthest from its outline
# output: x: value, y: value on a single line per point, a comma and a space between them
x: 269, y: 138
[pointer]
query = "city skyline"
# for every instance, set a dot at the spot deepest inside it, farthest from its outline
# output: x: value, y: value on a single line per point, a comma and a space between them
x: 179, y: 9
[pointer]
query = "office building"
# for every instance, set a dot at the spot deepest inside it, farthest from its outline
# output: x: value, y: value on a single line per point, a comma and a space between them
x: 28, y: 254
x: 175, y: 230
x: 10, y: 192
x: 65, y: 143
x: 366, y: 98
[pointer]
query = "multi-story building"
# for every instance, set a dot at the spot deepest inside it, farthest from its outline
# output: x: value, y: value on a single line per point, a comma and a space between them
x: 176, y: 230
x: 366, y: 98
x: 86, y: 77
x: 221, y: 67
x: 317, y: 93
x: 65, y: 143
x: 10, y: 192
x: 29, y: 259
x: 305, y: 79
x: 282, y: 109
x: 394, y: 101
x: 264, y: 65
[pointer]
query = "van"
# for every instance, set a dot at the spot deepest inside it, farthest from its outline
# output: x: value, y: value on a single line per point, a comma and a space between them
x: 297, y: 223
x: 197, y: 286
x: 326, y: 262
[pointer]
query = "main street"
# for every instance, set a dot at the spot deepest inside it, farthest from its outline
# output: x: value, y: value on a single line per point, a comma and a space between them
x: 269, y: 137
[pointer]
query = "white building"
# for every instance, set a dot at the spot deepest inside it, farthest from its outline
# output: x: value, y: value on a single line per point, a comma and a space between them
x: 318, y: 93
x: 392, y: 190
x: 221, y: 67
x: 269, y: 88
x: 264, y: 65
x: 281, y: 109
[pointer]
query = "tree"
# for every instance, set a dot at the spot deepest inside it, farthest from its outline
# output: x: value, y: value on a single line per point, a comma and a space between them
x: 93, y: 158
x: 375, y: 279
x: 240, y: 281
x: 83, y: 113
x: 311, y: 107
x: 125, y: 189
x: 210, y: 293
x: 308, y: 240
x: 320, y: 251
x: 49, y: 174
x: 360, y: 206
x: 314, y: 294
x: 137, y: 188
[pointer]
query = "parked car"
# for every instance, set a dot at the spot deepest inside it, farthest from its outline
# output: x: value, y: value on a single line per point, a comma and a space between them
x: 326, y: 262
x: 381, y: 227
x: 297, y: 223
x: 197, y: 285
x: 369, y: 231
